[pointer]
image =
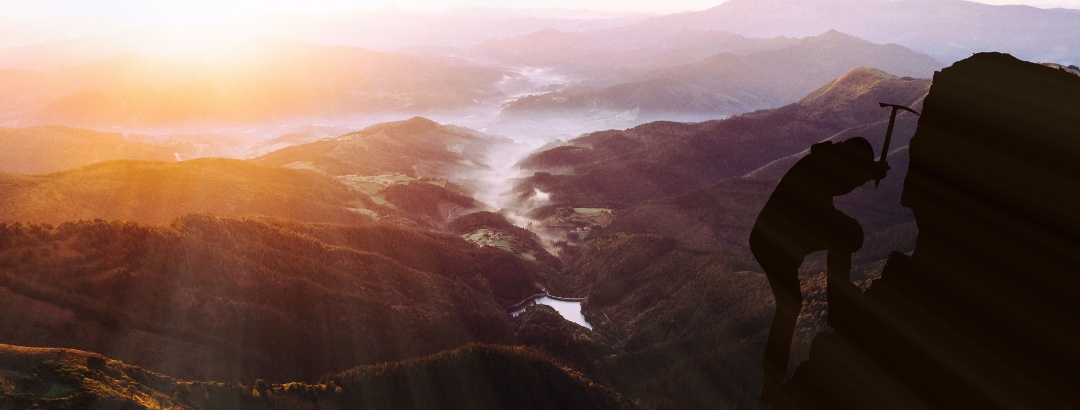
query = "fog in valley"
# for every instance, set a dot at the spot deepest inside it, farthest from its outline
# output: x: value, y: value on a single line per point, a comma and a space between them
x: 269, y: 205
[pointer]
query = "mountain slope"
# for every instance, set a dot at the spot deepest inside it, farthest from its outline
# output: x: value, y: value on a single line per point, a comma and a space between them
x: 484, y: 377
x: 721, y: 215
x: 690, y: 324
x: 619, y: 168
x: 40, y: 150
x: 418, y: 147
x: 498, y: 378
x: 157, y: 192
x: 236, y: 299
x: 422, y: 170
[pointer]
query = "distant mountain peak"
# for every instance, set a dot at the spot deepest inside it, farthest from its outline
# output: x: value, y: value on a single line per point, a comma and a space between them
x: 833, y: 33
x: 834, y: 36
x: 847, y: 85
x: 419, y: 121
x: 412, y: 125
x: 948, y: 30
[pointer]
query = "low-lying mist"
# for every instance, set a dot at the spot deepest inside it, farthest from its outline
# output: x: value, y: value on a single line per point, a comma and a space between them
x: 491, y: 180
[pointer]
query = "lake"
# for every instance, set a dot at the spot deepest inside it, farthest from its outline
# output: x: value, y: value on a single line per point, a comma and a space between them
x: 569, y: 310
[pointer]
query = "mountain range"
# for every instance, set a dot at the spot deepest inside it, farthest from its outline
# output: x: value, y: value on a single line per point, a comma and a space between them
x: 606, y: 70
x: 731, y: 83
x: 336, y: 261
x: 299, y: 265
x: 948, y: 30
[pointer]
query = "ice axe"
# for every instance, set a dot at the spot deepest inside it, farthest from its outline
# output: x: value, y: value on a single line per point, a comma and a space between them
x: 888, y: 133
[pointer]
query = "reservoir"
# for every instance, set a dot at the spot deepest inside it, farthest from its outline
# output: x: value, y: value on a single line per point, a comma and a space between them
x: 571, y: 310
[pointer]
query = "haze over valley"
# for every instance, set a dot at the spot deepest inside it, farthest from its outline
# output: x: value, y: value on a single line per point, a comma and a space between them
x: 341, y: 209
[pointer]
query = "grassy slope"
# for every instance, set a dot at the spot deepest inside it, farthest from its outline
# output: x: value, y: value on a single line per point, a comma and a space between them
x: 38, y: 150
x: 157, y: 192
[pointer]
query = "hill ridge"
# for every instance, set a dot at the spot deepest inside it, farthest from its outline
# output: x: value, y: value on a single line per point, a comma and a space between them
x: 73, y: 379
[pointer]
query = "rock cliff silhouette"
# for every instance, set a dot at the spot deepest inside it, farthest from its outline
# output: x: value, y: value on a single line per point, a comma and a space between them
x: 984, y: 313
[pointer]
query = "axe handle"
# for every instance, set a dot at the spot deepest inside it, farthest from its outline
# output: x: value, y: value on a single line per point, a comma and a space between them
x: 885, y: 145
x: 888, y: 136
x: 888, y: 133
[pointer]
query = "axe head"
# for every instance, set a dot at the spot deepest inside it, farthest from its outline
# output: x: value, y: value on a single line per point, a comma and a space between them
x: 888, y: 133
x: 898, y: 107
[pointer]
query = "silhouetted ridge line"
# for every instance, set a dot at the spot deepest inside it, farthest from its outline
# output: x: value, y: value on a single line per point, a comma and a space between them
x: 983, y: 314
x: 471, y: 377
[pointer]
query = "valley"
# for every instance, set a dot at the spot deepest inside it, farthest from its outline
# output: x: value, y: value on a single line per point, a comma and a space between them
x: 480, y: 208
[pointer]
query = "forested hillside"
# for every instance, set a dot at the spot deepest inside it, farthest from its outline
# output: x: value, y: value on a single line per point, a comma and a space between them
x: 226, y: 299
x: 471, y: 377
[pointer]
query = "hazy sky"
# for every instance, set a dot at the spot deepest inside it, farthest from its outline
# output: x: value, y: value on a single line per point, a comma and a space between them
x: 195, y: 11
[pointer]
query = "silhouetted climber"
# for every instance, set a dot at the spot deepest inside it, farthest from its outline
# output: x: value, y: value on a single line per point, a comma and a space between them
x: 798, y: 219
x: 984, y: 313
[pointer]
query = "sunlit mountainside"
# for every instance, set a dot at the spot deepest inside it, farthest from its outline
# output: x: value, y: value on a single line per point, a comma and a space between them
x: 355, y: 209
x: 418, y: 147
x: 45, y: 149
x: 158, y: 192
x: 279, y: 300
x: 263, y: 81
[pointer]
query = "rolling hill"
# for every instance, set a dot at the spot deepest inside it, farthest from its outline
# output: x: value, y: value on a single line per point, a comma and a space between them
x: 501, y: 377
x: 431, y: 173
x: 46, y: 149
x: 414, y: 171
x: 416, y: 147
x: 238, y: 299
x: 158, y: 192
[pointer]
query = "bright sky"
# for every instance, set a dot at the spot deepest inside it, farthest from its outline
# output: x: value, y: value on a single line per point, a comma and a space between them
x: 188, y: 22
x: 201, y: 11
